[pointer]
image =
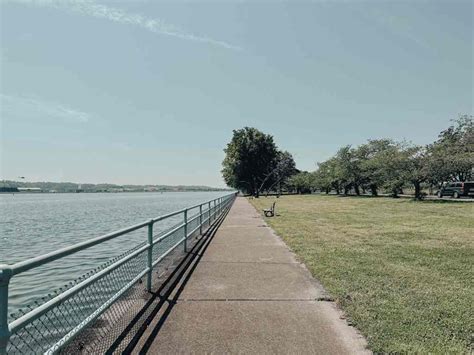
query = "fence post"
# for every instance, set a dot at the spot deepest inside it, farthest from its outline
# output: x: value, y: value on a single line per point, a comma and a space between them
x: 212, y: 210
x: 209, y: 214
x: 185, y: 230
x: 5, y: 275
x: 150, y: 256
x: 200, y: 219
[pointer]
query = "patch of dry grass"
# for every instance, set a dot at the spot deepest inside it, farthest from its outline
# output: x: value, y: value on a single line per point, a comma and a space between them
x: 402, y: 270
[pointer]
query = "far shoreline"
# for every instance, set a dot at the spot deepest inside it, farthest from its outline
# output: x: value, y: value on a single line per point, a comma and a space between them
x: 101, y: 192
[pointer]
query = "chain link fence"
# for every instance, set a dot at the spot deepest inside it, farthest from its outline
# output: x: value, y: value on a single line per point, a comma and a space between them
x: 92, y: 312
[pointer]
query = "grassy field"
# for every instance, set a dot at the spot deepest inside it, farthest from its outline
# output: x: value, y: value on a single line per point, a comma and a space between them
x: 401, y: 270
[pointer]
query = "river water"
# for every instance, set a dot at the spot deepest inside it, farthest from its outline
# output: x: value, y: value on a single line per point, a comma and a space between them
x: 35, y: 224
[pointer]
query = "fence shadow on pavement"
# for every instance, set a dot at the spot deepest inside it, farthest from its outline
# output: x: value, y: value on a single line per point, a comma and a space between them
x: 164, y: 298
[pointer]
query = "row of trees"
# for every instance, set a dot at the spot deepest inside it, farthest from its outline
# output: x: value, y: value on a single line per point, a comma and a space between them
x: 386, y: 165
x: 254, y: 164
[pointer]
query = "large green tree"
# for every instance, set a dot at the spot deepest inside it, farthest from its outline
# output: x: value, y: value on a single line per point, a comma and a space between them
x: 250, y: 160
x: 451, y: 157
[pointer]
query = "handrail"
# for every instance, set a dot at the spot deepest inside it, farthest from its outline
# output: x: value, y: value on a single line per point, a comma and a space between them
x: 25, y: 265
x: 159, y: 218
x: 212, y: 209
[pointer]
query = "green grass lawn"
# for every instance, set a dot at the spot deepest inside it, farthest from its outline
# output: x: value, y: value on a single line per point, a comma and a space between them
x: 401, y: 270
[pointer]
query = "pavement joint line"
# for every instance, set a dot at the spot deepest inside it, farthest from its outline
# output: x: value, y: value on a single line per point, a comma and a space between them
x: 249, y: 262
x: 318, y: 299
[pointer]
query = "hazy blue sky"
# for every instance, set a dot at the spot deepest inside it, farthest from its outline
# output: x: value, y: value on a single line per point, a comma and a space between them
x: 149, y: 91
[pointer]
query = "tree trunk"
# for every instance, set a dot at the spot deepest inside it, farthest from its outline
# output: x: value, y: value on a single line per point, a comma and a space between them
x: 395, y: 192
x: 255, y: 188
x: 373, y: 190
x: 356, y: 189
x: 417, y: 190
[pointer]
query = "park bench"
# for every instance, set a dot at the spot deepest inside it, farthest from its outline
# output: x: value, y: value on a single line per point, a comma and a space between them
x: 271, y: 211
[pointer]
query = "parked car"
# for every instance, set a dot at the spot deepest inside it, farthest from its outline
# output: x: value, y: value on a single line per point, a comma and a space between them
x: 456, y: 189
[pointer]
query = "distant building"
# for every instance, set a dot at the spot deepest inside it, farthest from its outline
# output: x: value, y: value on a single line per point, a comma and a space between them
x: 29, y: 189
x: 8, y: 189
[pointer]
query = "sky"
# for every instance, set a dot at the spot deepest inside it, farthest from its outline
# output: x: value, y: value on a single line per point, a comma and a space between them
x: 148, y: 92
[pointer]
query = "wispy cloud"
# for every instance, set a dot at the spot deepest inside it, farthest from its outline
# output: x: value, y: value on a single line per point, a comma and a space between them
x: 32, y: 106
x: 91, y: 8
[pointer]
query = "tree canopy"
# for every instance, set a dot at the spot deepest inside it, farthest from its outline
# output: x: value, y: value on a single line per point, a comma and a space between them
x: 391, y: 166
x: 253, y: 163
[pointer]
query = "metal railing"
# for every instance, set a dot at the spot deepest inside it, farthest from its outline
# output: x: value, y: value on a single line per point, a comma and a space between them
x: 49, y: 326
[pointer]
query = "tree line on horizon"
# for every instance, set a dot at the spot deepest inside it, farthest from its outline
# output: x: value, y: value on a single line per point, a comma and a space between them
x: 63, y: 187
x: 254, y: 164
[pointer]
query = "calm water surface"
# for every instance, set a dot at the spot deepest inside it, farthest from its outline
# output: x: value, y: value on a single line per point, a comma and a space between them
x: 35, y: 224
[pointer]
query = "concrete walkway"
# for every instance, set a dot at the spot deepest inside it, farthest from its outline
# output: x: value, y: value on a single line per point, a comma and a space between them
x: 248, y: 294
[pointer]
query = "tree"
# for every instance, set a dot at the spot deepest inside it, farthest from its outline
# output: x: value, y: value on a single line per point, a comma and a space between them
x: 251, y: 156
x: 416, y: 168
x: 451, y: 157
x: 348, y: 169
x: 390, y: 165
x: 284, y: 168
x: 322, y: 177
x: 326, y: 178
x: 302, y: 183
x: 371, y: 156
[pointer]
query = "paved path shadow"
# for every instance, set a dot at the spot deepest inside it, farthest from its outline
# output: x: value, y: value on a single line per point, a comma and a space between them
x: 164, y: 298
